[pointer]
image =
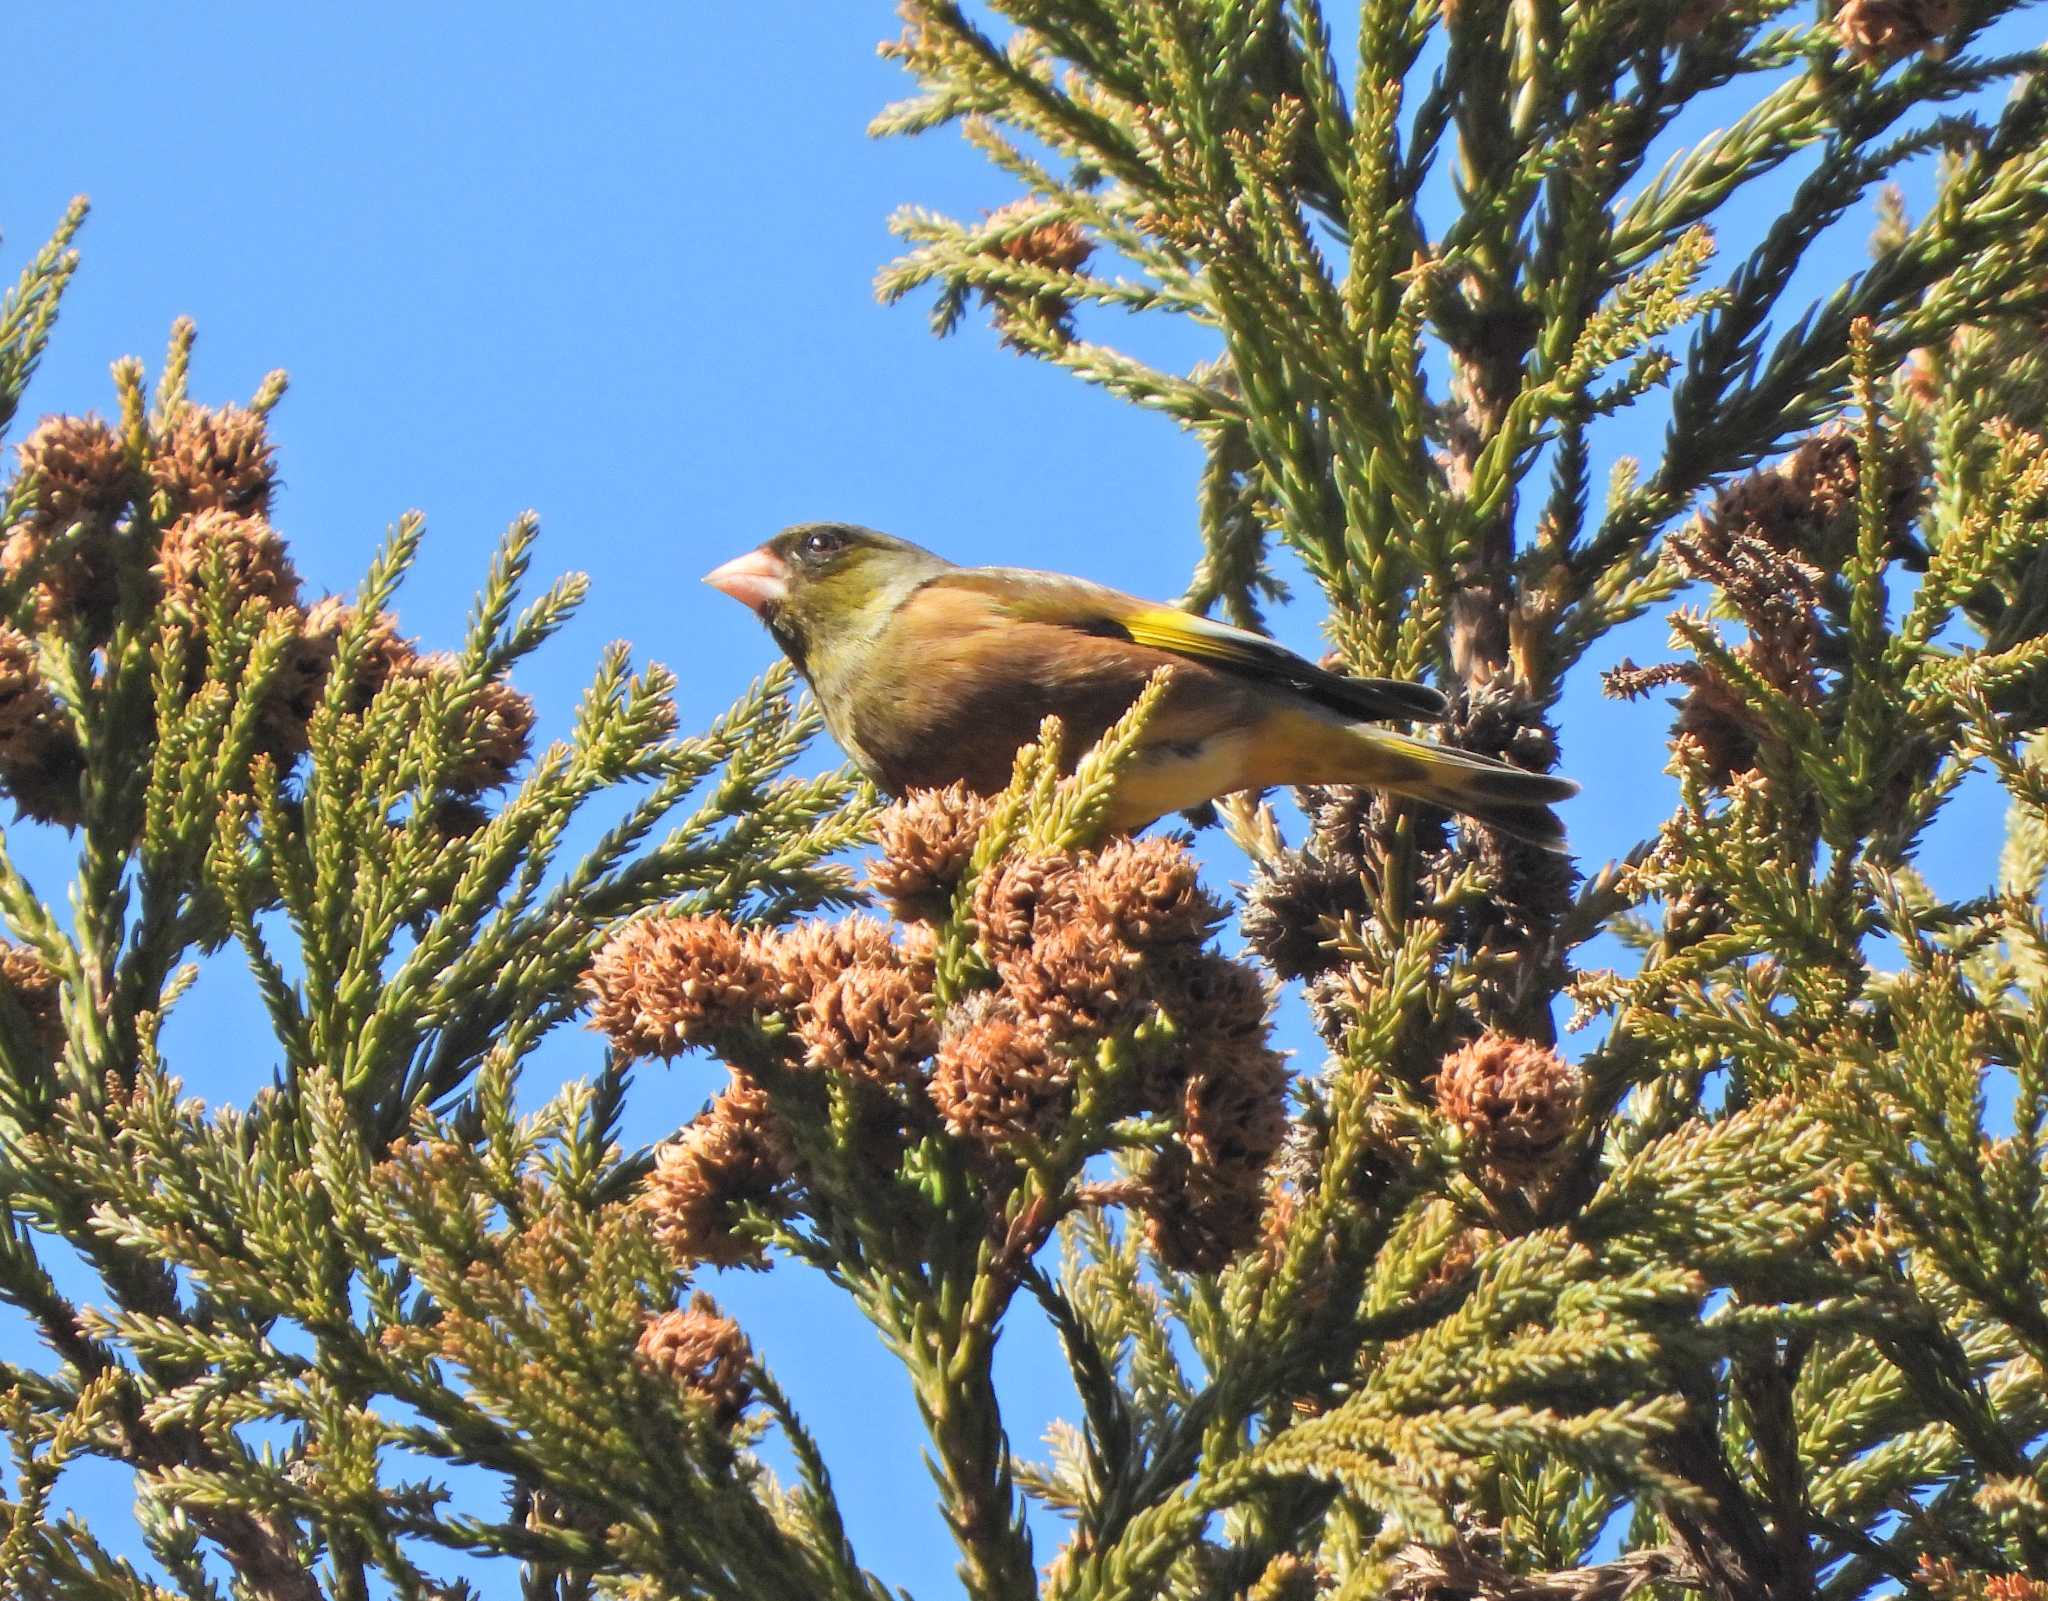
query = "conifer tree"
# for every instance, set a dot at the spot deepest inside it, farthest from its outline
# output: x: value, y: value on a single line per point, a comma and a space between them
x: 1707, y: 1259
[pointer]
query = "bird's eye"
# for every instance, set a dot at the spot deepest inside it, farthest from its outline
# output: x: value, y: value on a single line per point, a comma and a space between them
x: 825, y: 542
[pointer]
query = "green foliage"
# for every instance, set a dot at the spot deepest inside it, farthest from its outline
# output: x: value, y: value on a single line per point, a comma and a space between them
x: 1773, y: 1289
x: 296, y: 788
x: 1744, y: 1298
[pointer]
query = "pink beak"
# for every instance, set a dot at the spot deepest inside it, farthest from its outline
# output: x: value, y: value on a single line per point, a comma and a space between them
x: 758, y: 580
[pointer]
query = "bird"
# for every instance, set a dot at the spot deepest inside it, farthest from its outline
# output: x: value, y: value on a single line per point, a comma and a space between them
x: 930, y: 673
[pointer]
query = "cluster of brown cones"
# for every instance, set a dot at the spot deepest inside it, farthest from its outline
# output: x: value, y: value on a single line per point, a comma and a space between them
x: 185, y: 517
x: 1772, y: 544
x: 1106, y: 1004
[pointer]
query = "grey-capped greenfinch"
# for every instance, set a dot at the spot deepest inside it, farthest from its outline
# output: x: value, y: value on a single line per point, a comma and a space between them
x: 929, y: 673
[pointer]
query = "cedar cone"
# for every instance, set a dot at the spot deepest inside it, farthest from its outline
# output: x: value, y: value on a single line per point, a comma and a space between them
x: 494, y: 725
x: 704, y: 1353
x: 1515, y: 1100
x: 731, y: 1154
x: 81, y: 478
x: 215, y: 460
x: 1879, y: 32
x: 873, y: 1020
x: 997, y: 1078
x: 251, y: 554
x: 27, y: 708
x: 36, y: 992
x: 661, y: 983
x: 40, y: 761
x: 926, y: 838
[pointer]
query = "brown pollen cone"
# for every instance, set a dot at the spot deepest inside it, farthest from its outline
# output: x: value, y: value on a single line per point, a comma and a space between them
x: 663, y: 983
x: 1515, y: 1100
x: 82, y: 478
x: 215, y: 460
x: 251, y: 555
x: 732, y: 1154
x: 704, y: 1353
x: 926, y: 839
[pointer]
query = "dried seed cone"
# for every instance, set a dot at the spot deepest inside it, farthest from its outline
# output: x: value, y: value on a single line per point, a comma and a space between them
x: 997, y: 1077
x: 301, y: 683
x: 1297, y: 903
x: 1021, y: 893
x: 1198, y: 1216
x: 215, y: 460
x: 80, y: 470
x: 499, y: 735
x: 1079, y: 979
x: 250, y: 554
x: 926, y: 839
x: 35, y: 990
x: 1217, y: 1005
x: 27, y: 708
x: 495, y: 725
x: 704, y: 1353
x: 664, y: 983
x: 1233, y: 1111
x: 82, y: 478
x: 733, y: 1154
x: 1058, y: 245
x: 799, y: 962
x: 40, y: 761
x: 1880, y: 32
x: 1205, y: 1194
x: 872, y: 1020
x: 1805, y: 505
x: 1148, y: 894
x: 1516, y: 1101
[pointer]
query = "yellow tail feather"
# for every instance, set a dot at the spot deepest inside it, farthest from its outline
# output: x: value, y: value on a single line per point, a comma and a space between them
x: 1312, y: 750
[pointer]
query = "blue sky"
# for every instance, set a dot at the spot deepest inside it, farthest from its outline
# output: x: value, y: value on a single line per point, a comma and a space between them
x: 617, y: 267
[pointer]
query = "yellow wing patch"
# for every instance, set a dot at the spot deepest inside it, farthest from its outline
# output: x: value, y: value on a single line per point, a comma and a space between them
x: 1164, y: 628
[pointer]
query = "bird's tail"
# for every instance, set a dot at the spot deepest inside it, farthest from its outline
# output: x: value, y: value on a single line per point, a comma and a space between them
x: 1512, y: 800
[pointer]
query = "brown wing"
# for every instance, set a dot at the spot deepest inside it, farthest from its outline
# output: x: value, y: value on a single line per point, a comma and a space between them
x: 1097, y: 610
x: 968, y: 681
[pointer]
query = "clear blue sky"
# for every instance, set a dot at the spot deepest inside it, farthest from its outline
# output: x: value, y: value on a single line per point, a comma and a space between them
x: 617, y: 267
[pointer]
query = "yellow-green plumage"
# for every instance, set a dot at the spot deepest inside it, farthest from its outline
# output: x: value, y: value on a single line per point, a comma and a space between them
x: 930, y: 673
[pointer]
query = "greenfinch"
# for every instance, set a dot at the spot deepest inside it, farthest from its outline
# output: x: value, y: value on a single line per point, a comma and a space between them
x: 928, y: 673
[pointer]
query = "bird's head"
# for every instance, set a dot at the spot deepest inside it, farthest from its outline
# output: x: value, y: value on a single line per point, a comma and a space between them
x: 821, y: 583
